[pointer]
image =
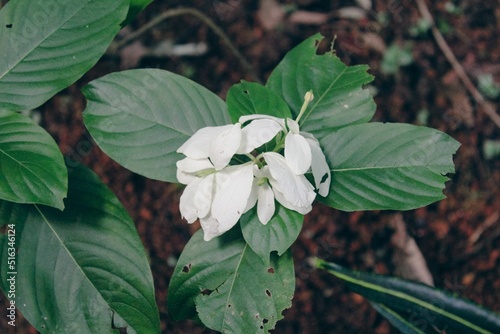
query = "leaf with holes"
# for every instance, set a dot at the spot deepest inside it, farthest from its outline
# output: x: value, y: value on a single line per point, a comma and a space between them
x: 277, y: 235
x: 228, y: 287
x: 83, y: 270
x: 31, y: 166
x: 378, y: 166
x: 141, y: 117
x: 48, y: 45
x: 248, y: 98
x: 339, y: 99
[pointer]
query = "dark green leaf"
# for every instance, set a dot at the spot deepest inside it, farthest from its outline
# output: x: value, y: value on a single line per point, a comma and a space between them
x: 278, y: 235
x: 141, y: 117
x: 31, y: 166
x: 387, y: 166
x: 248, y: 98
x: 339, y: 99
x: 229, y: 286
x: 424, y: 306
x: 403, y: 325
x: 48, y: 45
x: 81, y: 270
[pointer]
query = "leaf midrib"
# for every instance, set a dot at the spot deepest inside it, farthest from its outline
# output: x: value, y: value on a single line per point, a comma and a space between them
x: 352, y: 169
x: 36, y: 45
x: 70, y: 254
x: 235, y: 276
x: 21, y: 164
x: 308, y: 113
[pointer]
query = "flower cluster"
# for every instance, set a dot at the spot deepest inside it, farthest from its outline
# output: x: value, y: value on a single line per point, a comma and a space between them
x: 226, y: 176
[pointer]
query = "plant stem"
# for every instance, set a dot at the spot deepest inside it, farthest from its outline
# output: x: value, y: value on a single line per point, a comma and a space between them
x: 202, y: 17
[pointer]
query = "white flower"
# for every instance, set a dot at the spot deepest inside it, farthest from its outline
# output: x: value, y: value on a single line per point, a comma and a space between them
x: 303, y: 152
x: 258, y: 132
x: 297, y: 149
x: 218, y: 193
x: 319, y: 167
x: 230, y: 197
x: 218, y: 200
x: 291, y: 190
x: 218, y: 143
x: 262, y: 194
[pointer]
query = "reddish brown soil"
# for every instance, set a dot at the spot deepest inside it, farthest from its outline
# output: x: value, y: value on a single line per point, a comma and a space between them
x: 357, y: 240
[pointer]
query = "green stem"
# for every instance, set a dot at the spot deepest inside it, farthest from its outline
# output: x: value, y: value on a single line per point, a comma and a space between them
x: 202, y: 17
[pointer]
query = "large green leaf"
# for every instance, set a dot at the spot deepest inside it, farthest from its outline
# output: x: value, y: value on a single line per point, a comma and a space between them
x: 31, y: 166
x: 83, y: 270
x: 229, y: 286
x: 387, y: 166
x: 277, y: 235
x: 339, y: 99
x: 417, y: 305
x: 141, y: 117
x: 48, y: 45
x: 248, y: 98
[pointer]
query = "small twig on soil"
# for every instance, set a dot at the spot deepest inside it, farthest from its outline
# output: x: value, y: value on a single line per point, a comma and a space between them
x: 490, y: 220
x: 472, y: 250
x: 478, y: 97
x: 202, y: 17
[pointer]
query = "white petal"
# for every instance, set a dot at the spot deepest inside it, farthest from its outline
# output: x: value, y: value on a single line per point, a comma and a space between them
x: 224, y: 145
x: 252, y: 198
x: 232, y: 197
x: 257, y: 133
x: 247, y: 118
x: 296, y: 189
x: 197, y: 146
x: 204, y: 195
x: 265, y: 205
x: 297, y: 153
x: 320, y: 169
x: 186, y: 204
x: 210, y: 228
x: 261, y: 173
x: 281, y: 199
x: 187, y: 167
x: 293, y: 126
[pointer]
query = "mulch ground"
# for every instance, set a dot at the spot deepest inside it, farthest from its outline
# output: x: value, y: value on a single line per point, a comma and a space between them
x: 459, y: 236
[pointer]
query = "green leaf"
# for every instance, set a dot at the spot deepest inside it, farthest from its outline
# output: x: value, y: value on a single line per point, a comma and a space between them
x: 378, y: 166
x: 141, y: 117
x: 403, y: 325
x: 229, y: 286
x: 339, y: 100
x: 31, y: 166
x: 48, y: 45
x: 278, y: 235
x: 83, y: 270
x: 426, y: 306
x: 136, y: 6
x: 248, y: 98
